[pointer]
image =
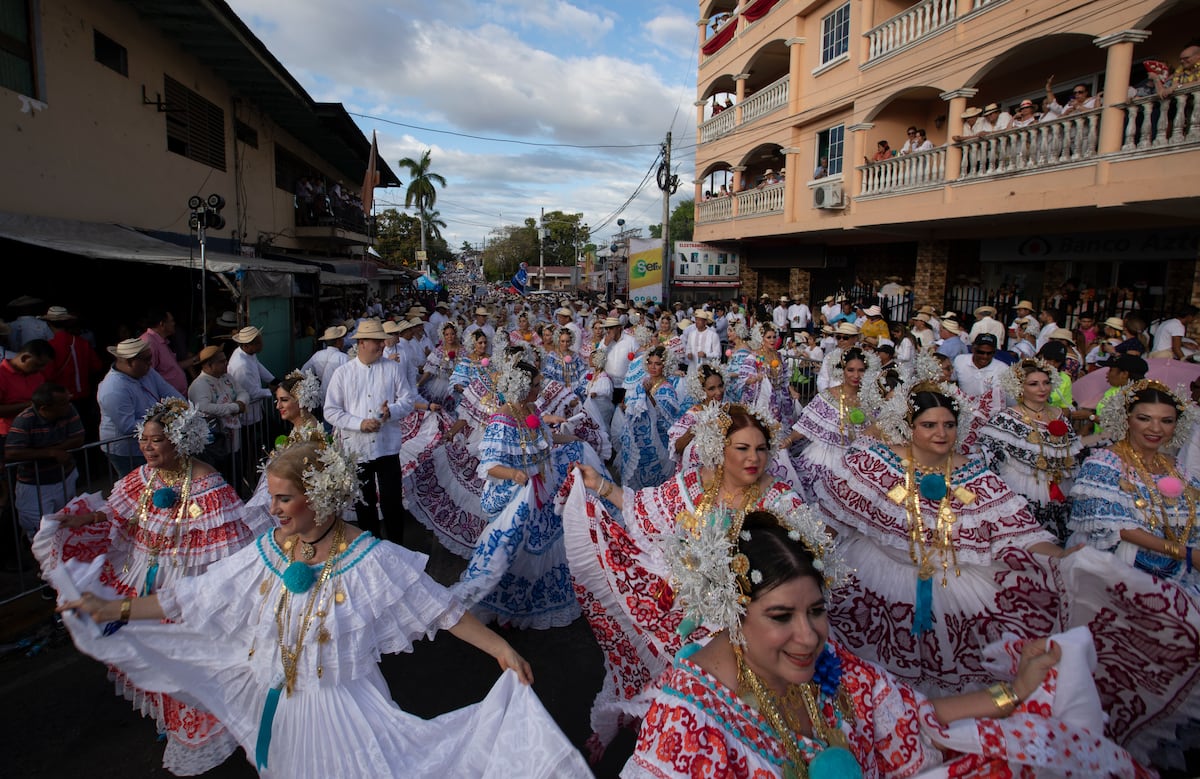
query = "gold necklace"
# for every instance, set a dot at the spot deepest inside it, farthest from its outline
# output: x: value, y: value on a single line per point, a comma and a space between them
x: 289, y: 656
x: 1062, y: 459
x: 783, y: 721
x: 1158, y: 502
x: 710, y: 501
x: 183, y: 500
x: 941, y: 541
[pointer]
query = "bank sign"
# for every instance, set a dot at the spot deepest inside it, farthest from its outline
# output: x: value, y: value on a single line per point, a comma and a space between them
x: 645, y: 270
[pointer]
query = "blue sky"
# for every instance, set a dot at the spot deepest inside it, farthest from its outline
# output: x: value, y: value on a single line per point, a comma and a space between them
x: 538, y: 71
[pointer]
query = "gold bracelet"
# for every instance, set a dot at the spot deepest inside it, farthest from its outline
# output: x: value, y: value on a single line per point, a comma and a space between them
x: 126, y: 609
x: 1171, y: 549
x: 606, y: 488
x: 1004, y: 696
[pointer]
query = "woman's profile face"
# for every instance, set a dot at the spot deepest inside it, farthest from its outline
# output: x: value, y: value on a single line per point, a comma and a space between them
x: 287, y: 406
x: 714, y: 388
x: 1151, y: 425
x: 785, y: 629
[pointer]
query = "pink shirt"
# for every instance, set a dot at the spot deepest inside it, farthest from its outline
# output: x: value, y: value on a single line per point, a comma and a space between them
x: 163, y: 359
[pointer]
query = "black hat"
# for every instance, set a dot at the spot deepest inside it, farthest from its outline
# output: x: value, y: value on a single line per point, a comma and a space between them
x: 889, y: 348
x: 1135, y: 366
x: 984, y: 339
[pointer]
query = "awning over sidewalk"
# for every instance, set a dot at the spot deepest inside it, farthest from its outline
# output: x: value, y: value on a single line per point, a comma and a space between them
x: 124, y: 244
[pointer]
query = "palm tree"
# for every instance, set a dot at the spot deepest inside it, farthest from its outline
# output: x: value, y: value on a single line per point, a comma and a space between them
x: 436, y: 224
x: 421, y: 191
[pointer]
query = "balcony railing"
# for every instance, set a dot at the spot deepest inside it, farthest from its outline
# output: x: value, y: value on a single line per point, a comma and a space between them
x: 908, y: 172
x: 917, y: 22
x: 1036, y: 147
x: 717, y: 209
x: 765, y: 100
x: 768, y: 200
x: 718, y: 126
x: 1160, y: 123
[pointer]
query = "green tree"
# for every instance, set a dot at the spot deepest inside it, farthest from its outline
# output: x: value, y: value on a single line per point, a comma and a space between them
x: 421, y: 191
x: 507, y: 247
x: 398, y: 238
x: 565, y: 235
x: 683, y: 222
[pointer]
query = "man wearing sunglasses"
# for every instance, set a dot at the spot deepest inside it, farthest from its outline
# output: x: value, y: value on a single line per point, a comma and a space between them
x: 1081, y: 100
x: 979, y: 371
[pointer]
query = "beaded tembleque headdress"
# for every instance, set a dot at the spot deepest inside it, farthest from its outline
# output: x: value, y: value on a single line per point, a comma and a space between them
x: 182, y: 423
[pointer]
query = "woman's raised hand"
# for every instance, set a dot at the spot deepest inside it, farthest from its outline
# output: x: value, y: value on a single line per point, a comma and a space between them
x: 1038, y: 656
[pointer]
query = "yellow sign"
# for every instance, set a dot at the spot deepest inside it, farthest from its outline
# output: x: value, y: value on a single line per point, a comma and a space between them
x: 645, y: 271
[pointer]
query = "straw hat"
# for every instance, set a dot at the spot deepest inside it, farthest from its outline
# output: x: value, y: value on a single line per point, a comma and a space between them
x: 441, y: 305
x: 564, y: 312
x: 24, y: 300
x: 927, y: 311
x: 702, y: 314
x: 481, y: 311
x: 370, y: 330
x: 845, y: 328
x: 950, y: 326
x: 1061, y: 334
x: 828, y: 299
x: 391, y: 328
x: 333, y: 333
x: 246, y: 334
x: 128, y: 349
x: 971, y: 113
x: 227, y: 319
x: 873, y: 311
x: 1024, y: 304
x: 610, y: 321
x: 209, y: 352
x: 57, y: 314
x: 684, y: 324
x: 922, y: 318
x: 1115, y: 322
x: 416, y: 321
x: 983, y: 311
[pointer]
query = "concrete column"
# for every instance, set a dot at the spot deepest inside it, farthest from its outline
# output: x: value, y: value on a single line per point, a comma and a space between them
x: 964, y: 7
x: 699, y: 104
x: 749, y: 278
x: 738, y: 170
x: 929, y: 278
x: 852, y: 174
x: 702, y: 29
x: 795, y: 62
x: 866, y: 15
x: 741, y: 20
x: 800, y: 285
x: 1116, y: 85
x: 741, y: 95
x: 954, y: 124
x: 793, y: 182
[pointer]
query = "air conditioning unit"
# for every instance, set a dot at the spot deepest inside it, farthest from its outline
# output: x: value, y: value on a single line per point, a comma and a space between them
x: 829, y: 196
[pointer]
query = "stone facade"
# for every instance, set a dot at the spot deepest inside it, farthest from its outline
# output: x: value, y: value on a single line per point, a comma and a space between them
x: 929, y: 281
x: 800, y: 285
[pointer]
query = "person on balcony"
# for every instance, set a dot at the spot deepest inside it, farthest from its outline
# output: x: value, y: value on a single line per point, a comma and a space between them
x: 1187, y: 72
x: 1026, y: 115
x: 822, y: 169
x: 1082, y: 99
x: 923, y: 142
x: 909, y: 146
x: 971, y: 125
x: 882, y: 152
x: 993, y: 120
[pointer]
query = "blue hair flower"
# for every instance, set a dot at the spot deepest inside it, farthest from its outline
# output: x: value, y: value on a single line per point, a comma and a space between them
x: 933, y: 486
x: 298, y: 577
x: 828, y: 674
x: 165, y: 498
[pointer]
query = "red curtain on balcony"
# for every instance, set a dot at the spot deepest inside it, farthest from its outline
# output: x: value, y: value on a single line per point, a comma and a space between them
x: 723, y: 36
x: 758, y: 9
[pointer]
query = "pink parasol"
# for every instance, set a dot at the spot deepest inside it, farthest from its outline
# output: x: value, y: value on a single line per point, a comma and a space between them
x: 1088, y: 390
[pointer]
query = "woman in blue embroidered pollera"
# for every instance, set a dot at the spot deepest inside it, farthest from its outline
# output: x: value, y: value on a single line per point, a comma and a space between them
x: 289, y: 662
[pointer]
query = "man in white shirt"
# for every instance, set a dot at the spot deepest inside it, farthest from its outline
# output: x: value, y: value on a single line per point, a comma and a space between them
x: 367, y: 398
x: 979, y: 371
x: 248, y: 374
x: 830, y: 309
x: 1049, y: 321
x: 619, y: 345
x: 702, y: 343
x: 779, y: 315
x: 437, y: 320
x: 1082, y: 99
x: 1026, y: 115
x: 799, y: 317
x: 846, y: 336
x: 324, y: 362
x: 480, y: 323
x: 994, y: 120
x: 985, y: 322
x: 1169, y: 335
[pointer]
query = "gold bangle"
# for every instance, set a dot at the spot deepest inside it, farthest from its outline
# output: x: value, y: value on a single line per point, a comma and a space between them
x: 1173, y: 550
x: 606, y: 488
x: 1004, y: 696
x: 126, y: 609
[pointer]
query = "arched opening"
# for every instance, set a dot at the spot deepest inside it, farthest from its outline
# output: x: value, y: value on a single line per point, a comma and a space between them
x: 720, y: 95
x: 716, y: 180
x: 1024, y: 71
x: 912, y: 109
x: 766, y: 66
x: 764, y: 165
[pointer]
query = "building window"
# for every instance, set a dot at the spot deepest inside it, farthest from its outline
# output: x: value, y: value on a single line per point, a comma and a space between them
x: 109, y: 53
x: 835, y: 34
x: 830, y: 146
x: 289, y: 169
x: 16, y: 48
x: 195, y: 126
x: 245, y: 133
x: 683, y: 266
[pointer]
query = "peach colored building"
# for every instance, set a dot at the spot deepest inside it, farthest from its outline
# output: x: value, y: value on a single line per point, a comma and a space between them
x: 1106, y: 194
x: 117, y: 112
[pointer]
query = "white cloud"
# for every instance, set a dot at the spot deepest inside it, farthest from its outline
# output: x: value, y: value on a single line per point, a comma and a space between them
x: 674, y: 33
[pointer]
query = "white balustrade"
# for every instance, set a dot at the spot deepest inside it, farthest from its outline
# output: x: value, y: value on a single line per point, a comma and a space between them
x: 1039, y: 146
x: 716, y: 209
x: 767, y: 200
x: 717, y: 126
x: 904, y: 28
x: 907, y: 172
x: 1158, y: 123
x: 765, y: 100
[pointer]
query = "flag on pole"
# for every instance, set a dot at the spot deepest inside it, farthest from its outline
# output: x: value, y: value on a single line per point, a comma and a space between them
x: 521, y: 278
x: 371, y: 178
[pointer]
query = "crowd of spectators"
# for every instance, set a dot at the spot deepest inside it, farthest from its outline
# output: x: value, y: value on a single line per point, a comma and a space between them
x: 319, y: 202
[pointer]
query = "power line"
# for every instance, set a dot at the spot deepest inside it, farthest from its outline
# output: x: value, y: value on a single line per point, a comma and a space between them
x: 504, y: 140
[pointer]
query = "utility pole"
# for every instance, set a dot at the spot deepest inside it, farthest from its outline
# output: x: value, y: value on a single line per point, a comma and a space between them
x: 668, y: 183
x: 542, y: 251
